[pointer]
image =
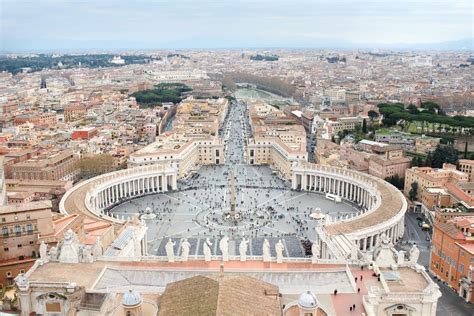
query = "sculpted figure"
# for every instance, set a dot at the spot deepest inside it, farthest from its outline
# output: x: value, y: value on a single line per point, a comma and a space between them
x: 279, y: 247
x: 53, y: 254
x: 414, y: 254
x: 207, y: 249
x: 87, y: 254
x: 43, y: 251
x: 243, y: 249
x: 224, y: 247
x: 169, y: 248
x: 97, y: 250
x: 185, y: 249
x: 267, y: 257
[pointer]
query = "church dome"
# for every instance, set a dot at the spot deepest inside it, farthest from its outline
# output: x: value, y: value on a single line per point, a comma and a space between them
x: 308, y: 300
x: 131, y: 298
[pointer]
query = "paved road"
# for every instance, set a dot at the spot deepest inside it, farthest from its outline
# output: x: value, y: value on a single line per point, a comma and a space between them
x: 236, y: 132
x: 449, y: 303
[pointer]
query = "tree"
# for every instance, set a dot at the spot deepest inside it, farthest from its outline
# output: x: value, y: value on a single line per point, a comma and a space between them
x: 413, y: 109
x: 444, y: 154
x: 372, y: 115
x: 417, y: 161
x: 429, y: 160
x: 396, y: 181
x: 95, y: 165
x: 364, y: 126
x: 414, y: 191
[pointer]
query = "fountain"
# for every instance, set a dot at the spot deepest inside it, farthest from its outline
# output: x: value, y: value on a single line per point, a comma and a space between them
x: 148, y: 214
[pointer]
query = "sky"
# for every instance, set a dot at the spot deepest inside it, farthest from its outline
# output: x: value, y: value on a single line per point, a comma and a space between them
x: 36, y: 25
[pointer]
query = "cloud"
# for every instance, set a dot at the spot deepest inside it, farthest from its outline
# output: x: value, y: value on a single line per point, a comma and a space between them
x: 59, y: 24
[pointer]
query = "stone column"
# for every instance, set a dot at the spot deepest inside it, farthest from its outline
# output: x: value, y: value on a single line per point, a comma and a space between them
x: 175, y: 184
x: 165, y: 183
x: 303, y: 182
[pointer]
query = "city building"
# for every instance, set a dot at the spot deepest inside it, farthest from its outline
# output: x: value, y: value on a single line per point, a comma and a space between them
x: 388, y: 162
x: 428, y: 177
x: 452, y: 254
x: 21, y: 226
x: 467, y: 166
x: 55, y: 166
x: 193, y: 141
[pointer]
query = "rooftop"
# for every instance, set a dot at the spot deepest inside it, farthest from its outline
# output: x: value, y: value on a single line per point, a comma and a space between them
x: 404, y: 280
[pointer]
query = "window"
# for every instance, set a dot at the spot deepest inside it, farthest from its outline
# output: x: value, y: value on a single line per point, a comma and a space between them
x: 20, y: 245
x: 29, y: 228
x: 449, y: 259
x: 5, y: 249
x: 454, y: 263
x: 5, y: 231
x: 17, y: 229
x: 461, y: 268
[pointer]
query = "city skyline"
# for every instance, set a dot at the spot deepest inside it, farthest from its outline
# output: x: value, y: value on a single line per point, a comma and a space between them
x: 105, y: 25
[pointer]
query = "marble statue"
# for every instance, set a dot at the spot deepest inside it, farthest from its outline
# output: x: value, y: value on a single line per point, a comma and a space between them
x: 70, y: 248
x: 206, y: 248
x: 97, y: 250
x: 384, y: 255
x: 414, y: 254
x: 21, y: 281
x: 314, y: 251
x: 224, y: 247
x: 43, y: 251
x: 243, y: 249
x: 53, y: 254
x: 185, y: 249
x: 267, y: 257
x: 400, y: 257
x: 87, y: 254
x: 279, y: 247
x: 169, y: 248
x: 384, y: 239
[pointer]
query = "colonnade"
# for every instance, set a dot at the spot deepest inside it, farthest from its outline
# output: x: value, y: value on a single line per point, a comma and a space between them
x: 393, y: 233
x: 345, y: 188
x: 117, y: 191
x: 365, y: 191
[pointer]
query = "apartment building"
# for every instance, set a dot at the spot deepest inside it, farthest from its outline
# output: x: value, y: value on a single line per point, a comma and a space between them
x: 193, y: 141
x: 467, y: 166
x: 277, y: 140
x: 21, y: 225
x: 428, y: 177
x: 56, y: 166
x: 389, y: 161
x: 452, y: 255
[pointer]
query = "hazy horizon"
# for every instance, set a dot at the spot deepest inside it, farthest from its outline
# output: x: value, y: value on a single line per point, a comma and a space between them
x: 73, y: 25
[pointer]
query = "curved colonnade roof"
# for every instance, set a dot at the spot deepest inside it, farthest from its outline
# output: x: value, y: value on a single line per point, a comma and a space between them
x: 391, y: 204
